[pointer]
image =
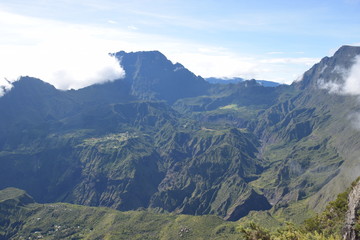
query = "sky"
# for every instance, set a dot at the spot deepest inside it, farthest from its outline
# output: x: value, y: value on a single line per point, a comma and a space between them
x: 66, y: 42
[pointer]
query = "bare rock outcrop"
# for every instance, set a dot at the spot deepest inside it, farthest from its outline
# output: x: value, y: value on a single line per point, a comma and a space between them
x: 349, y: 232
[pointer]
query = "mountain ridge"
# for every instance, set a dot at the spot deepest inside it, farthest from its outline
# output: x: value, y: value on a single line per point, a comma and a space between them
x: 165, y: 139
x: 235, y: 80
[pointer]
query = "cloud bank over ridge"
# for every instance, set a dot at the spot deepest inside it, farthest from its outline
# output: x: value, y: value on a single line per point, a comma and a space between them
x: 350, y: 82
x: 65, y: 55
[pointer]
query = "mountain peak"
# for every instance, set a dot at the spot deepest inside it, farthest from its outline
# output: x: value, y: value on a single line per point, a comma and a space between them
x: 30, y: 81
x: 347, y: 50
x: 142, y: 53
x: 142, y: 63
x: 330, y: 69
x: 152, y: 76
x: 30, y: 85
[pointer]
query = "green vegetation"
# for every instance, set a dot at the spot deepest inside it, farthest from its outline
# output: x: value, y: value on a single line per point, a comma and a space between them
x: 164, y: 140
x: 325, y: 225
x: 330, y: 221
x: 253, y: 231
x: 24, y: 220
x: 21, y: 218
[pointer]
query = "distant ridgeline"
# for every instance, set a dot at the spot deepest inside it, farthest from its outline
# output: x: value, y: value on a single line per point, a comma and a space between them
x: 235, y: 80
x: 166, y: 140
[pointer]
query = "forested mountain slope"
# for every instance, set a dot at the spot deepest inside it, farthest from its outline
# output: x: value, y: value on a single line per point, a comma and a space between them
x: 163, y: 138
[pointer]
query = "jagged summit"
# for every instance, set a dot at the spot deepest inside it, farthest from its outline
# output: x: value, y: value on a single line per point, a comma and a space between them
x: 29, y: 89
x: 31, y: 83
x: 153, y: 76
x: 143, y: 62
x: 141, y: 53
x: 348, y: 51
x: 330, y: 69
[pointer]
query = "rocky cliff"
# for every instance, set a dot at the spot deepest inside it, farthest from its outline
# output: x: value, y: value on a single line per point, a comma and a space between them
x: 351, y: 231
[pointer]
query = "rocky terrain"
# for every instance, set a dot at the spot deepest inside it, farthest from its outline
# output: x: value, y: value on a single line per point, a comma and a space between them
x: 165, y: 140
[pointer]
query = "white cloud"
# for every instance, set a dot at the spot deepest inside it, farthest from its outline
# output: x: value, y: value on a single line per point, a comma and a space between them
x: 306, y: 61
x: 221, y: 62
x: 331, y: 86
x: 75, y: 55
x: 218, y: 64
x: 346, y: 82
x: 271, y: 53
x: 5, y: 86
x: 351, y: 80
x: 112, y: 21
x: 67, y: 56
x: 299, y: 78
x: 132, y: 27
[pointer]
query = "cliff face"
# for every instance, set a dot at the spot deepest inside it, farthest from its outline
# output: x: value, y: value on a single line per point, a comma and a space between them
x: 352, y: 215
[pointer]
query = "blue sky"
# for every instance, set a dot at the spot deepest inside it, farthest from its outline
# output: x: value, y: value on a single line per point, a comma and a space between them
x: 65, y: 42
